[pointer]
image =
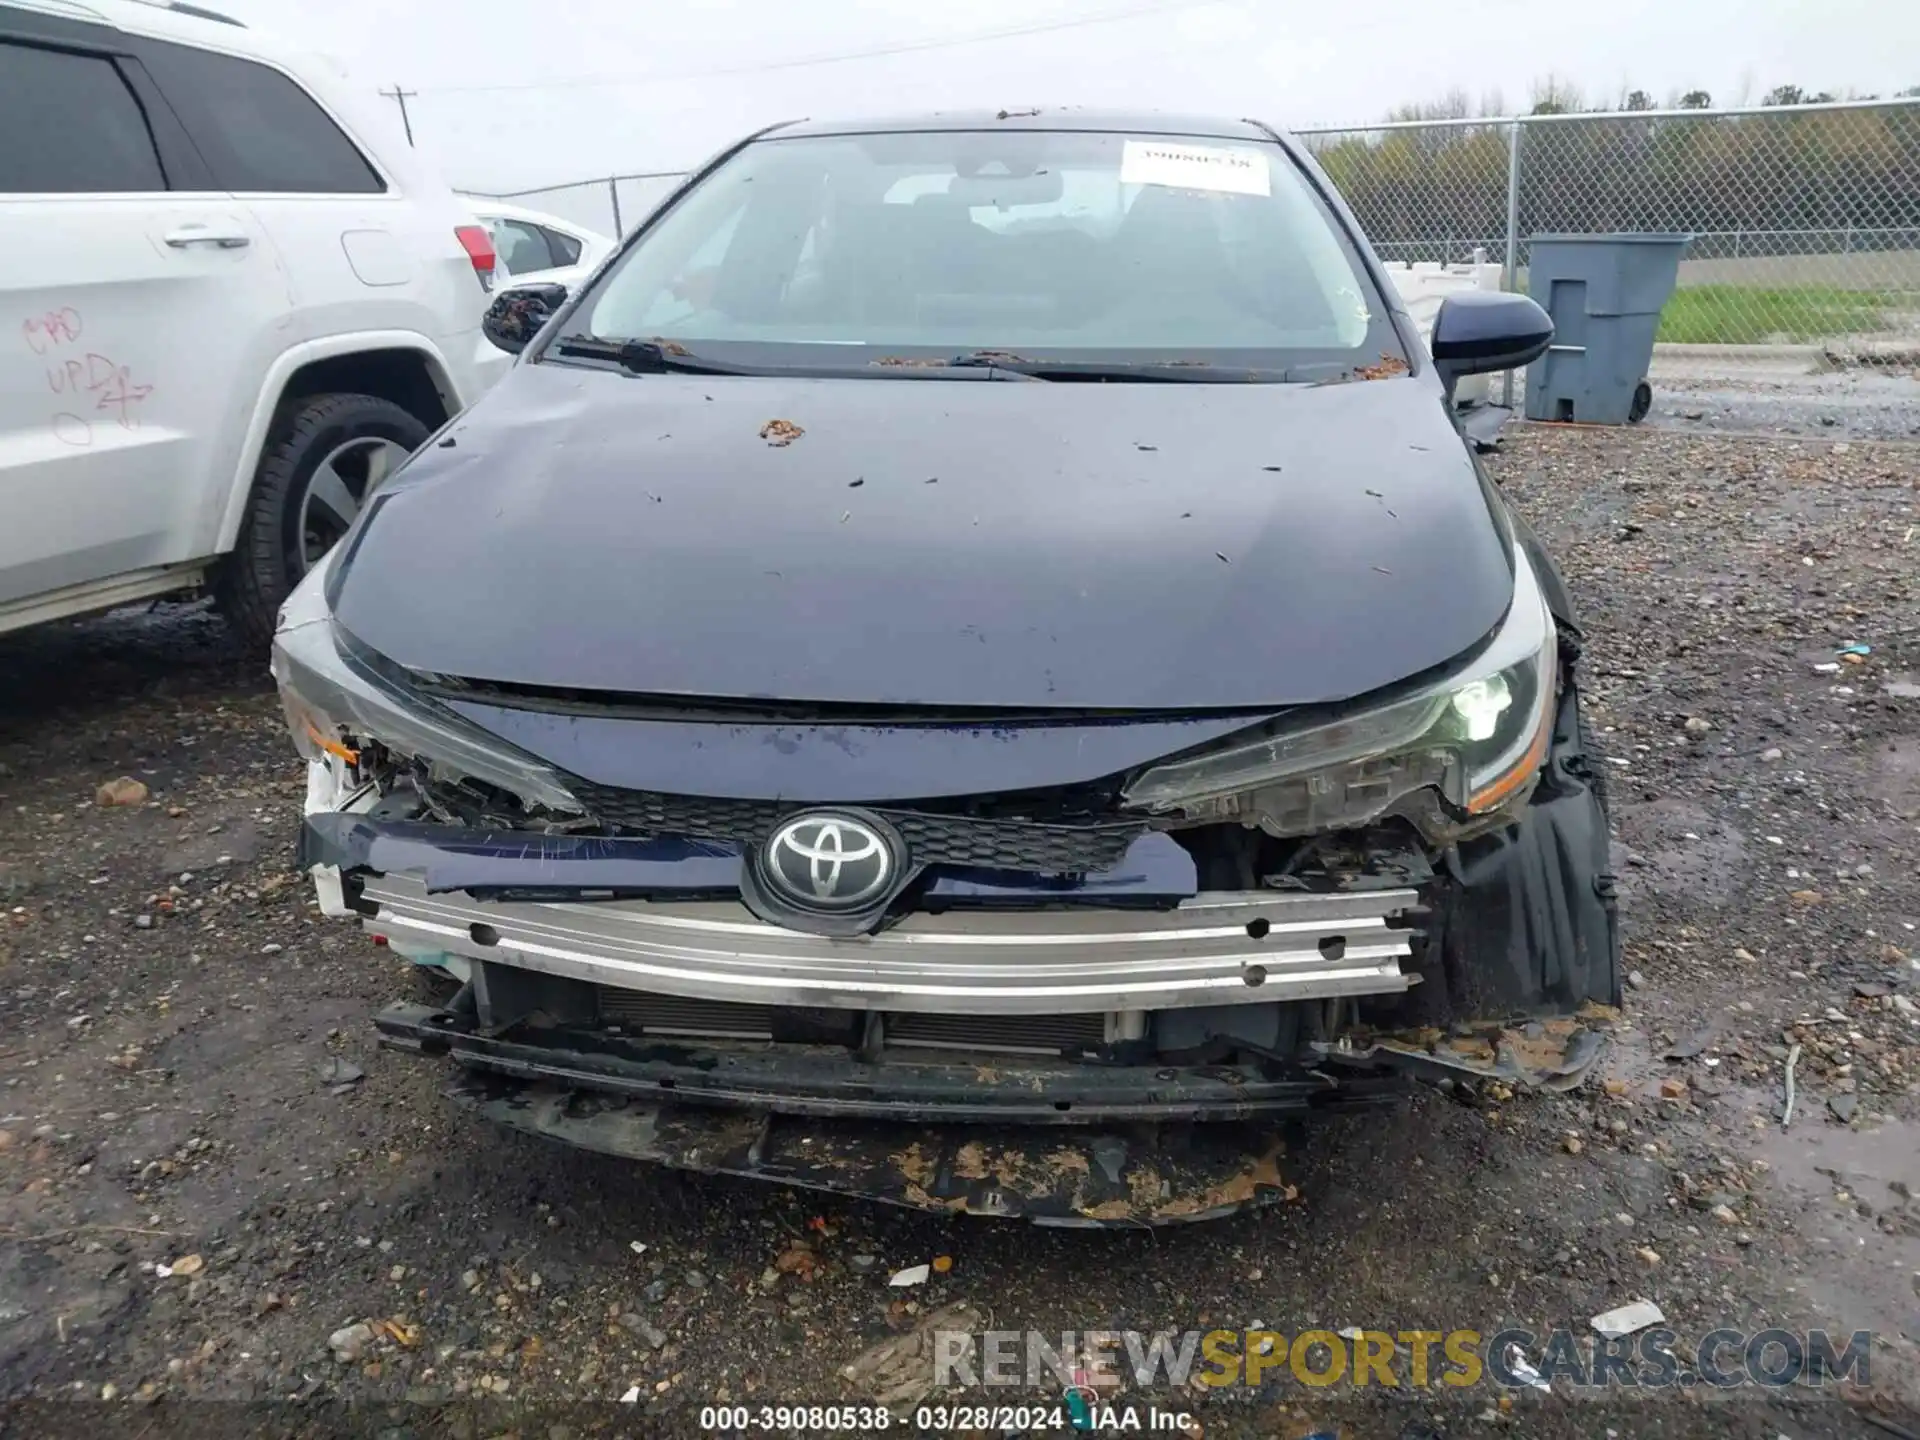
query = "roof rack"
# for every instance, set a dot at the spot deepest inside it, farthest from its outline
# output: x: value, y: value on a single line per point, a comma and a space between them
x: 199, y: 12
x: 75, y: 9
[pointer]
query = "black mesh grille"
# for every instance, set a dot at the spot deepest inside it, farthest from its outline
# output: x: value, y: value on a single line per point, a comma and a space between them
x: 1044, y: 1034
x: 674, y: 1015
x: 932, y: 838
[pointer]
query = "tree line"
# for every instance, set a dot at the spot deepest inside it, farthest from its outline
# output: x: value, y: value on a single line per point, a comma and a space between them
x: 1793, y: 183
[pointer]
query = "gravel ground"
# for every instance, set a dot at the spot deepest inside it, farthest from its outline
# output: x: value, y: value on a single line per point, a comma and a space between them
x: 171, y: 1011
x: 1842, y: 405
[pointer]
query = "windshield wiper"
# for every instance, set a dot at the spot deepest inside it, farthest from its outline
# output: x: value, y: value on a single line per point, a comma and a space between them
x: 1150, y: 372
x: 645, y: 357
x: 660, y: 356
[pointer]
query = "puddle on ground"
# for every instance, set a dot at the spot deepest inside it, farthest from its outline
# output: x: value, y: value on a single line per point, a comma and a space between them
x: 1858, y: 1193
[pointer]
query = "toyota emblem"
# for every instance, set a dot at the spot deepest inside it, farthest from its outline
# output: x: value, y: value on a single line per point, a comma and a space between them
x: 829, y: 861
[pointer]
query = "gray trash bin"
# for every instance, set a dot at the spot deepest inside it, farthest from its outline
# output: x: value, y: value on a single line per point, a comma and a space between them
x: 1604, y: 293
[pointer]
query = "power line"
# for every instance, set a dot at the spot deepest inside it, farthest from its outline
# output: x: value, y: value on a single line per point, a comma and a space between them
x: 877, y: 52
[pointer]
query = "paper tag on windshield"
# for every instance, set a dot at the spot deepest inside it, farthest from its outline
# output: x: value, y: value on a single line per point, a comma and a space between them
x: 1236, y: 170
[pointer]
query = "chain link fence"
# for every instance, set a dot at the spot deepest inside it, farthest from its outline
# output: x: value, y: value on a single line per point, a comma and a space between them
x: 1805, y: 219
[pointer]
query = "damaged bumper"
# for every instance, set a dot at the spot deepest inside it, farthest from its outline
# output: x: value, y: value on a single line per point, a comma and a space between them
x: 906, y: 1081
x: 1112, y: 1047
x: 1010, y: 1137
x: 1057, y: 1143
x: 1053, y: 1177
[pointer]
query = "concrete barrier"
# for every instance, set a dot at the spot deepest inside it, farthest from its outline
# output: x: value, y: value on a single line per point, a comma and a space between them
x: 1423, y: 285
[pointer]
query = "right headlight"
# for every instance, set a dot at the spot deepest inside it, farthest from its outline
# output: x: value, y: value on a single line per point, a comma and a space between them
x: 1477, y: 738
x: 336, y: 705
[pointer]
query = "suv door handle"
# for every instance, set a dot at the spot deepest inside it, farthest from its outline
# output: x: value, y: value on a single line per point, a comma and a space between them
x: 201, y: 235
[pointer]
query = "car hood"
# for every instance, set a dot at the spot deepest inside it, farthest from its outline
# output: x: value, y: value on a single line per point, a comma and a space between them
x: 931, y: 543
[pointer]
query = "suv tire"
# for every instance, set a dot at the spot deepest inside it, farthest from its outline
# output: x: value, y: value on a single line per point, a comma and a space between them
x: 357, y: 438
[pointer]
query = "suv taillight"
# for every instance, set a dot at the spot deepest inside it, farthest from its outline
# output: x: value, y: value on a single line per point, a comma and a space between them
x: 478, y: 244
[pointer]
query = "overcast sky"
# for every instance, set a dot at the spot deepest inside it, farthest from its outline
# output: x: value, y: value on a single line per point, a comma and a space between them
x: 525, y: 93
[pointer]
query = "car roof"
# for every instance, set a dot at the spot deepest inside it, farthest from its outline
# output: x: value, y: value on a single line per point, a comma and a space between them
x: 1031, y: 117
x: 205, y: 25
x: 189, y: 21
x: 208, y: 25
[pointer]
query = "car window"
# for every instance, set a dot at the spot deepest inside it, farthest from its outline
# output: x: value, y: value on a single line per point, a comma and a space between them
x: 1073, y: 245
x: 259, y: 131
x: 565, y: 248
x: 73, y: 126
x: 522, y: 247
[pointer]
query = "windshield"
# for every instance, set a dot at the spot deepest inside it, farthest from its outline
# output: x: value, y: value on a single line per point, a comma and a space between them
x: 1094, y: 248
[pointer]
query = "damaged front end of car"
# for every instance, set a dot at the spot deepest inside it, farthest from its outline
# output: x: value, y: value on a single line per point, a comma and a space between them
x: 1090, y: 1001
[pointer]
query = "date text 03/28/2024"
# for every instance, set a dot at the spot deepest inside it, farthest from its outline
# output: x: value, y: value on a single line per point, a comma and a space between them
x: 1080, y: 1411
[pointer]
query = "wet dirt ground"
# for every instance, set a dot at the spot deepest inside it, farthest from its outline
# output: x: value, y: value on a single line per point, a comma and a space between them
x: 172, y: 1011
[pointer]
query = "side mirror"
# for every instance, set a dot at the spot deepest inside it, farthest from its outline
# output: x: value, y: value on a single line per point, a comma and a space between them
x: 1483, y: 331
x: 515, y: 316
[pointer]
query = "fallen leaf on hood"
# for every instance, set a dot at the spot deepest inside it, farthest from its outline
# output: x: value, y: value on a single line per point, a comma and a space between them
x: 1389, y: 366
x: 780, y: 432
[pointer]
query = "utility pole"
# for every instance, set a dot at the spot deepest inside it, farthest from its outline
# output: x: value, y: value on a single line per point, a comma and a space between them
x: 402, y: 96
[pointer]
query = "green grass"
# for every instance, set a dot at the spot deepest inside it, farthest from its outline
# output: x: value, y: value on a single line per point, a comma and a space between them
x: 1748, y: 315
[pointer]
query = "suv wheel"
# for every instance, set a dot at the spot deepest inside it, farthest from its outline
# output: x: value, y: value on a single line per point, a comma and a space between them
x: 325, y: 457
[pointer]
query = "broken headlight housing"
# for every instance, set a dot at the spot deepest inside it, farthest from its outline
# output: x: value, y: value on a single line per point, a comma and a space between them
x: 1476, y: 739
x: 338, y: 706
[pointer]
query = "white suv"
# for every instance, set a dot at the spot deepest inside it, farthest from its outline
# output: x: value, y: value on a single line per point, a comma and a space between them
x: 224, y: 316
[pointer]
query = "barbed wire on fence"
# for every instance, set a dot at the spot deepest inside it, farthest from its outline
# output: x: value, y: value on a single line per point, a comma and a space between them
x: 1805, y: 218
